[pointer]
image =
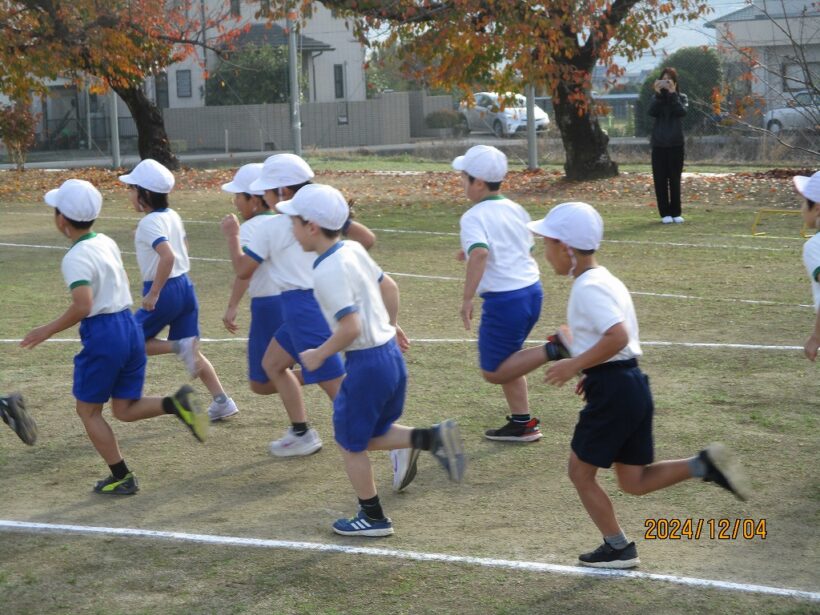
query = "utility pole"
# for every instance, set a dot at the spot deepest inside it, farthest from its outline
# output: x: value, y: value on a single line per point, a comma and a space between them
x: 296, y: 122
x: 532, y: 143
x: 115, y: 129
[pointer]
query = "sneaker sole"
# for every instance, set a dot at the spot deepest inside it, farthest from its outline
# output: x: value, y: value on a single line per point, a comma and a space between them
x: 372, y: 533
x: 451, y: 439
x: 216, y: 419
x: 528, y: 438
x: 199, y: 420
x: 301, y: 453
x: 616, y: 565
x: 24, y: 425
x: 115, y: 492
x: 412, y: 468
x: 725, y: 462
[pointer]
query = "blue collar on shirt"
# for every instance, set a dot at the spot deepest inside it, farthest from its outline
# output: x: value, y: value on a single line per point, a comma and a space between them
x: 334, y: 248
x: 158, y: 211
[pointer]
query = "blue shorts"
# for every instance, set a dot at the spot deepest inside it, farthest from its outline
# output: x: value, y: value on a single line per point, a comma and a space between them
x: 177, y: 306
x: 266, y: 318
x: 506, y: 320
x: 112, y: 361
x: 615, y: 426
x: 305, y: 327
x: 371, y: 398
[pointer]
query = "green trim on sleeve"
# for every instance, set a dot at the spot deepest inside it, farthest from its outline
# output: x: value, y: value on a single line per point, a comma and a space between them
x: 814, y: 274
x: 477, y: 245
x: 74, y: 285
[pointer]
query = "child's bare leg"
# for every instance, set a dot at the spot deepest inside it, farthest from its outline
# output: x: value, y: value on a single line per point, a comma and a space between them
x: 263, y: 388
x: 593, y: 497
x: 129, y: 410
x: 398, y: 436
x: 331, y: 387
x: 517, y: 365
x: 639, y: 480
x: 360, y: 473
x: 99, y: 432
x: 153, y: 346
x: 207, y: 374
x: 516, y: 395
x: 277, y: 363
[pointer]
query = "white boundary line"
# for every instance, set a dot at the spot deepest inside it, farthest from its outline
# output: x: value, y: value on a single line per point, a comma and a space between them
x: 455, y: 340
x: 408, y: 555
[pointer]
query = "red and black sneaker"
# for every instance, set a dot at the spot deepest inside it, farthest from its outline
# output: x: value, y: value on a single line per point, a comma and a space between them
x: 515, y: 432
x: 558, y: 344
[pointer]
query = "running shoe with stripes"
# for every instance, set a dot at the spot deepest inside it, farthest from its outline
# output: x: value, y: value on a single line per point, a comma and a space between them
x: 448, y: 449
x: 516, y: 432
x: 13, y: 413
x: 724, y: 470
x: 220, y: 412
x: 127, y: 485
x: 405, y: 465
x: 362, y: 525
x: 189, y: 412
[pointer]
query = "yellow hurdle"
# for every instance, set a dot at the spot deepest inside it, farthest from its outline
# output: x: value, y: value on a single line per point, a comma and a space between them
x: 761, y: 213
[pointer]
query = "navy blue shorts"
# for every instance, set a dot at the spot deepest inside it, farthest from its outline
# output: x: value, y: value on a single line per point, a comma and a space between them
x: 371, y: 398
x: 112, y: 361
x: 615, y: 426
x: 266, y: 318
x: 305, y: 327
x: 506, y: 320
x: 176, y: 307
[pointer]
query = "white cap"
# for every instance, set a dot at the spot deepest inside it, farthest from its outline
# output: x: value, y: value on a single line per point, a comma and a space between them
x: 76, y: 199
x: 318, y: 203
x: 809, y: 187
x: 151, y: 175
x: 576, y: 224
x: 243, y: 179
x: 281, y: 170
x: 483, y: 162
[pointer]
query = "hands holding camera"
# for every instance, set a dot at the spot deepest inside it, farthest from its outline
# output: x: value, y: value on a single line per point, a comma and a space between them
x: 664, y: 84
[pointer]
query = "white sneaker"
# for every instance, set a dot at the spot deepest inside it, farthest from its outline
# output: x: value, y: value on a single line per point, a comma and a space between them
x: 188, y: 350
x: 666, y: 220
x: 291, y: 445
x: 217, y: 411
x: 404, y: 466
x: 678, y: 219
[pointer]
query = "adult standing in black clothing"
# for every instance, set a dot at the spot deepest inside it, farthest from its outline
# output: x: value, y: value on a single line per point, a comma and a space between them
x: 668, y: 107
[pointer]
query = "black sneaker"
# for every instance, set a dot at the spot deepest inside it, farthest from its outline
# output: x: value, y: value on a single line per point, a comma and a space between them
x: 448, y: 449
x: 557, y: 346
x: 722, y: 469
x: 13, y: 412
x: 607, y: 557
x: 189, y: 412
x: 516, y: 432
x: 118, y: 486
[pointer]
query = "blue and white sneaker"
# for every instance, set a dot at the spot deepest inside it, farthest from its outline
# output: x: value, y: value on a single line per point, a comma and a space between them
x: 362, y: 525
x: 448, y: 449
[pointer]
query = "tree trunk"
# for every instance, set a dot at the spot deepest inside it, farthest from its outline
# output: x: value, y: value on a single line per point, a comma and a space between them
x: 585, y: 144
x: 152, y: 140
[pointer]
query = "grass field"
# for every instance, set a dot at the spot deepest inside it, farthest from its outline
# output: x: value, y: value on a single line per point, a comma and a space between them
x: 707, y: 281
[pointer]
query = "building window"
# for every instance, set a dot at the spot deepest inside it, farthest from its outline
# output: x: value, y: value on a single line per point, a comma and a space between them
x: 236, y: 11
x: 161, y: 84
x: 339, y: 80
x: 795, y: 77
x: 183, y: 83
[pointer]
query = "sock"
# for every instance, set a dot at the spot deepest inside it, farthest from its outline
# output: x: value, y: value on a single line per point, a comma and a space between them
x: 300, y: 429
x: 521, y: 418
x: 617, y: 541
x: 119, y: 470
x: 421, y: 439
x: 175, y: 346
x: 221, y: 398
x: 372, y: 507
x: 697, y: 467
x: 168, y: 406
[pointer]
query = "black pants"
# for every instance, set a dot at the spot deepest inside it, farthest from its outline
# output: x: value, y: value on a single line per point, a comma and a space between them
x: 667, y: 166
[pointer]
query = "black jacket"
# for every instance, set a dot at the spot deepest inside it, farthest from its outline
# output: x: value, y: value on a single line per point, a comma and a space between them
x: 668, y: 108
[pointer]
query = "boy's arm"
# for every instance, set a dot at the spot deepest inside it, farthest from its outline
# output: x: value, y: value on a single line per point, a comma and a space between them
x: 237, y: 292
x: 164, y: 268
x: 390, y: 296
x: 243, y: 265
x: 349, y: 328
x: 362, y: 234
x: 813, y: 343
x: 476, y: 264
x: 82, y: 300
x: 612, y: 341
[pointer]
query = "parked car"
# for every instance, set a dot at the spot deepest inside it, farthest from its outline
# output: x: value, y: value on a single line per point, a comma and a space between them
x: 802, y: 113
x: 485, y: 114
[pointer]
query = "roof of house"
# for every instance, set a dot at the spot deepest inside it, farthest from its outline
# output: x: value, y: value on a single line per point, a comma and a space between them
x: 273, y: 35
x: 769, y: 10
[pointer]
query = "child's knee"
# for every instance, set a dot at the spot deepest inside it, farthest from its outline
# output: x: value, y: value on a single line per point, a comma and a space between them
x: 492, y: 377
x: 262, y: 388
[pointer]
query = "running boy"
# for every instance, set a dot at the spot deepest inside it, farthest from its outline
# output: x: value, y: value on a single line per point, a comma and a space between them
x: 615, y: 425
x: 169, y: 299
x: 809, y: 188
x: 497, y: 246
x: 13, y: 412
x: 361, y: 303
x: 111, y: 364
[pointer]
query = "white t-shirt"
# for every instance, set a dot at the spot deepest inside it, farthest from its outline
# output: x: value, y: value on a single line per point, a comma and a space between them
x: 263, y: 282
x: 273, y: 241
x: 347, y: 280
x: 154, y: 228
x: 500, y: 225
x: 811, y: 258
x: 598, y: 301
x: 95, y: 261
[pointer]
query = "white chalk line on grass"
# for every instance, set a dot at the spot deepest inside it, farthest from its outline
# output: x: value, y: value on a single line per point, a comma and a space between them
x: 458, y: 279
x: 418, y: 556
x: 467, y: 340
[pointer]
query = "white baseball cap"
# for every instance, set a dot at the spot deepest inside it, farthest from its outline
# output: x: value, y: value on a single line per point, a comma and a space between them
x: 809, y: 187
x: 318, y: 203
x: 576, y: 224
x: 151, y: 175
x: 243, y: 179
x: 76, y: 199
x: 281, y: 170
x: 483, y: 162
